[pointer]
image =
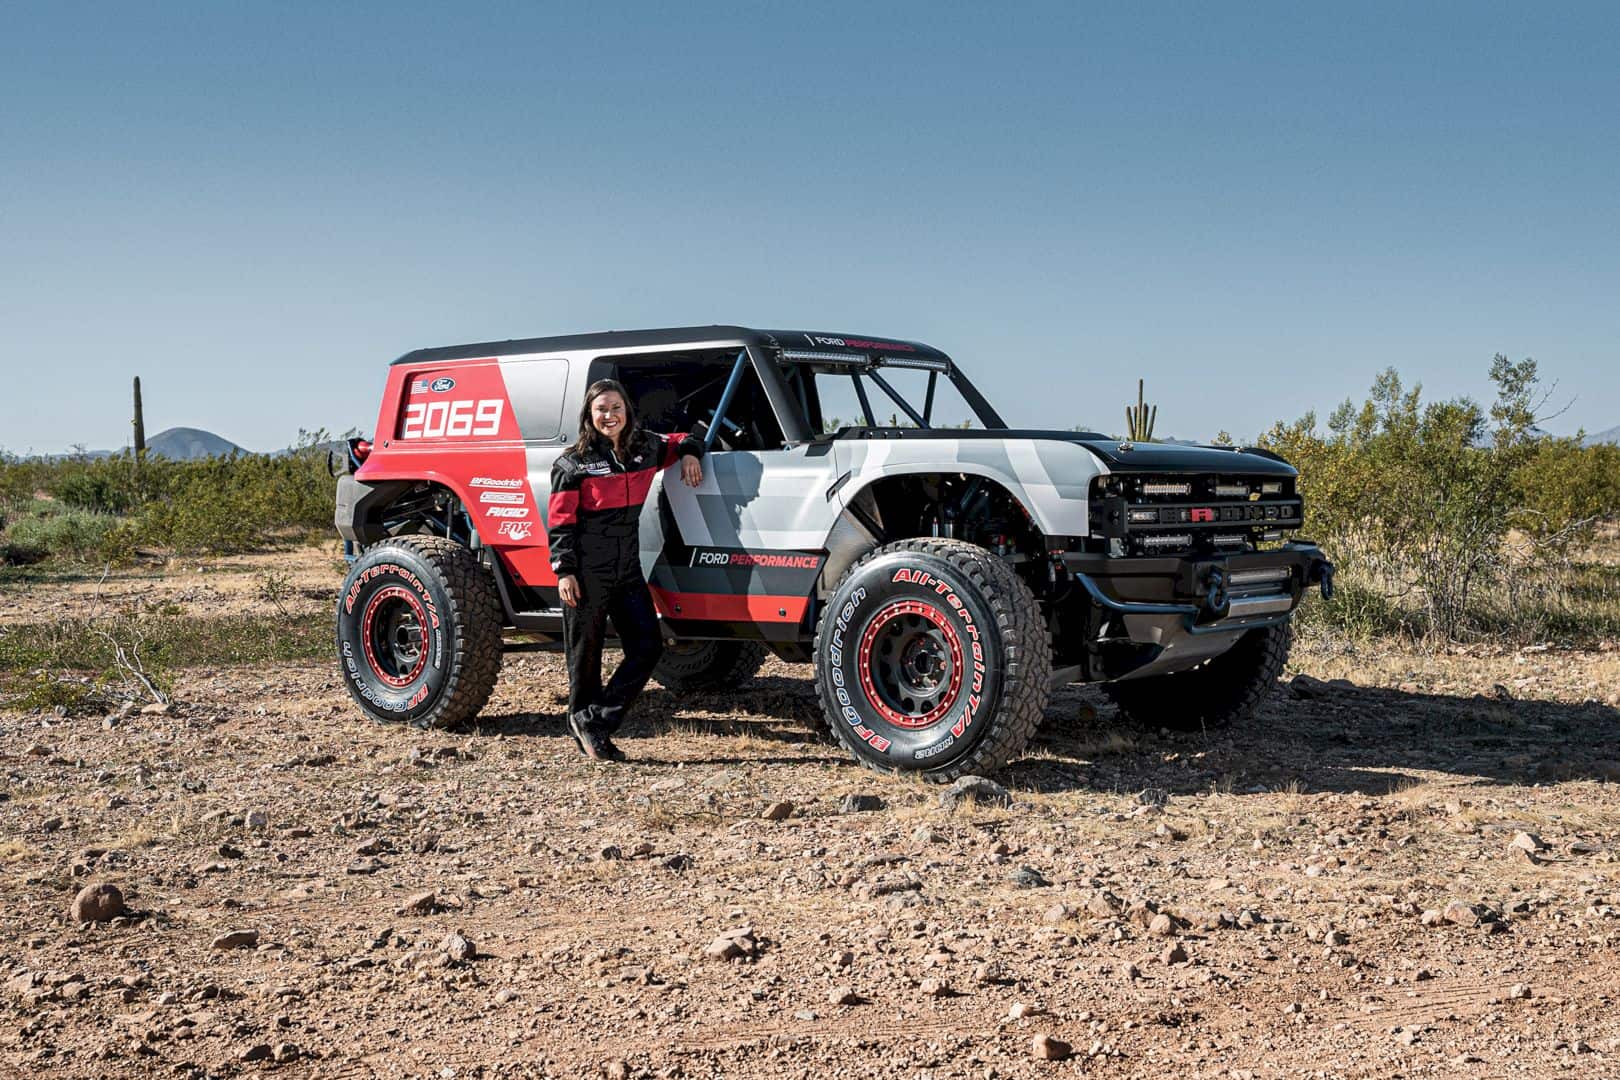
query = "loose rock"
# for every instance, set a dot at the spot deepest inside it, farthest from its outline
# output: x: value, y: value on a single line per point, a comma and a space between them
x: 1046, y: 1048
x: 236, y: 939
x: 421, y: 904
x: 459, y: 949
x: 97, y: 903
x: 976, y: 789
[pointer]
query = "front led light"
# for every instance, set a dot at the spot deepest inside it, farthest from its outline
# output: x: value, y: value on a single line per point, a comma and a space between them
x: 1172, y: 540
x: 1166, y: 489
x: 1140, y: 517
x: 1230, y: 539
x: 1262, y: 576
x: 1273, y: 534
x: 1272, y: 487
x: 1235, y: 491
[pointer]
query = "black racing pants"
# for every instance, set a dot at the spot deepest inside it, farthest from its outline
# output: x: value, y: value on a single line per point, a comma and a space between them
x: 629, y: 604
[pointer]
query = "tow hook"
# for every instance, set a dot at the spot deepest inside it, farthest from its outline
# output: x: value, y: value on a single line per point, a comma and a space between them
x: 1324, y: 578
x: 1215, y: 597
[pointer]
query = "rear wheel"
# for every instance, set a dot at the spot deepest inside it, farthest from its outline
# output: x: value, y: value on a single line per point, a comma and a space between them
x: 1219, y: 692
x: 690, y: 666
x: 419, y: 632
x: 932, y: 657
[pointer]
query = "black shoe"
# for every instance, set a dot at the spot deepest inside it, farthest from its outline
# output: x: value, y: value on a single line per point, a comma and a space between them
x: 608, y: 751
x: 583, y: 739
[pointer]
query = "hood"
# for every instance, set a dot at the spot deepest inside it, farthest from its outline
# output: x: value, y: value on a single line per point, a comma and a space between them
x: 1141, y: 457
x: 1176, y: 457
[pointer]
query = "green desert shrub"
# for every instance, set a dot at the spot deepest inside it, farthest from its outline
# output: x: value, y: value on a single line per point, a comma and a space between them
x: 1446, y: 518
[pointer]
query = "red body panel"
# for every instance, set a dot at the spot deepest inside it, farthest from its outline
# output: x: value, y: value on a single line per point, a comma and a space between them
x: 729, y: 607
x: 453, y: 424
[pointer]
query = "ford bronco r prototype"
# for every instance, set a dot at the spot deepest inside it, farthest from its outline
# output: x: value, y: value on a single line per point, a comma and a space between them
x: 941, y: 571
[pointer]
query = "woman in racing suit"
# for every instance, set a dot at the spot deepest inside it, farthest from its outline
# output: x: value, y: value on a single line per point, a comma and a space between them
x: 597, y: 489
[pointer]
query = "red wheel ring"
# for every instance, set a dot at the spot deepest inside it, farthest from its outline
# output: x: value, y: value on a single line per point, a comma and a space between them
x: 397, y: 637
x: 942, y: 623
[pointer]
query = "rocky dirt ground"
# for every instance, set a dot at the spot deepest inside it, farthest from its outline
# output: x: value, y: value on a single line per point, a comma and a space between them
x: 1405, y: 866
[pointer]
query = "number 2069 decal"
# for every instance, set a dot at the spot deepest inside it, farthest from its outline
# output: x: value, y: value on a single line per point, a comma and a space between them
x: 452, y: 419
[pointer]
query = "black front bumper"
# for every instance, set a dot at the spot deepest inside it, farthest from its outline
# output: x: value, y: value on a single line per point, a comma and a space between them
x: 1212, y: 592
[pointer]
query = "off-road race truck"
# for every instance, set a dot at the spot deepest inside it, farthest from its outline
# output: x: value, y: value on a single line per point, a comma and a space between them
x: 941, y: 571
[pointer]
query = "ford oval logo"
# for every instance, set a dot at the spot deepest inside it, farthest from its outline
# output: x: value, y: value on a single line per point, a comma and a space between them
x: 440, y: 385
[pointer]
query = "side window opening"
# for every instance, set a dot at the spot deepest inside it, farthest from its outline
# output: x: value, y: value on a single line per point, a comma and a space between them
x: 885, y: 397
x: 680, y: 392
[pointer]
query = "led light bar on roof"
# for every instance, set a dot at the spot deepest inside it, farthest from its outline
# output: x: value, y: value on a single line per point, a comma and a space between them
x: 919, y: 362
x: 1159, y: 488
x: 824, y: 357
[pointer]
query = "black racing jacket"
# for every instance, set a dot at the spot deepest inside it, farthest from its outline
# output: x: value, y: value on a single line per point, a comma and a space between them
x: 596, y: 499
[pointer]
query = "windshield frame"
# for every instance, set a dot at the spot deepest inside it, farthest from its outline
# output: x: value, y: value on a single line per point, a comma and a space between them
x: 861, y: 367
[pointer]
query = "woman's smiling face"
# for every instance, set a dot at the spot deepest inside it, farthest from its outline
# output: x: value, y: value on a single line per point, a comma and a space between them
x: 607, y: 414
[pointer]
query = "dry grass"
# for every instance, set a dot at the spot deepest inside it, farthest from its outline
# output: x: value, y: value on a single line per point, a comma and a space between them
x: 12, y: 850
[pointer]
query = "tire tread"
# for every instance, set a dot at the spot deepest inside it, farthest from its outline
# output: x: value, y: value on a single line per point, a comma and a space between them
x: 475, y: 610
x: 1228, y: 689
x: 1026, y: 680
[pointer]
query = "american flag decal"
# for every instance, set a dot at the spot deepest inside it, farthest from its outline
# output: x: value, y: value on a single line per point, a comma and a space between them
x: 420, y: 386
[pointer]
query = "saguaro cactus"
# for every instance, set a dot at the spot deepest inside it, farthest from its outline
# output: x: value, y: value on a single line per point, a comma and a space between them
x: 1139, y: 419
x: 140, y: 421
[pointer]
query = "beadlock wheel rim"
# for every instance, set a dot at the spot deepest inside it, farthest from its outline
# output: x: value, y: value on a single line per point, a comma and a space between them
x: 391, y: 632
x: 911, y: 664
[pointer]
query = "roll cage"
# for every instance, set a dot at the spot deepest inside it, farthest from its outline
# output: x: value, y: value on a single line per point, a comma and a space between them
x: 787, y: 377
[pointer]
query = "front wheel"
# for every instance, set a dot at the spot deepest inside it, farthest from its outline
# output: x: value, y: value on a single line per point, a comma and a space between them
x: 419, y: 632
x: 932, y: 657
x: 1221, y: 691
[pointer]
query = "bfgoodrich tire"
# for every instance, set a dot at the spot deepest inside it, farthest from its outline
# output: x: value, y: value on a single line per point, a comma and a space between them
x: 696, y: 666
x: 419, y: 632
x: 932, y: 657
x: 1218, y: 693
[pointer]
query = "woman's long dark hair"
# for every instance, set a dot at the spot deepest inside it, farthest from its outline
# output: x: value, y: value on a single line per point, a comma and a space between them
x: 587, y: 431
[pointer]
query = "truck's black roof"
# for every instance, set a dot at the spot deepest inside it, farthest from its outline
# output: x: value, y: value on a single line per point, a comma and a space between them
x: 806, y: 340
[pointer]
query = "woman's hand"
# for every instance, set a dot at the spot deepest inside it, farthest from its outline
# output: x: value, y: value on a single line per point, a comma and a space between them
x: 691, y: 471
x: 568, y: 589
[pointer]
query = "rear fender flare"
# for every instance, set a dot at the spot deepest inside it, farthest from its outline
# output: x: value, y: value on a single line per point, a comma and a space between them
x: 395, y: 485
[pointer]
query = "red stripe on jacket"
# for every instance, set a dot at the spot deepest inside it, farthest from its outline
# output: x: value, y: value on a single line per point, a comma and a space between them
x: 562, y: 509
x: 615, y: 490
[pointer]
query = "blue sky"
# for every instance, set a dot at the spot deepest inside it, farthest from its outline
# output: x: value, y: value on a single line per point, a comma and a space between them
x: 256, y: 207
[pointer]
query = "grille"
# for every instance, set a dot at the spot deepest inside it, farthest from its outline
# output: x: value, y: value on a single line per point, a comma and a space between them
x: 1168, y: 515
